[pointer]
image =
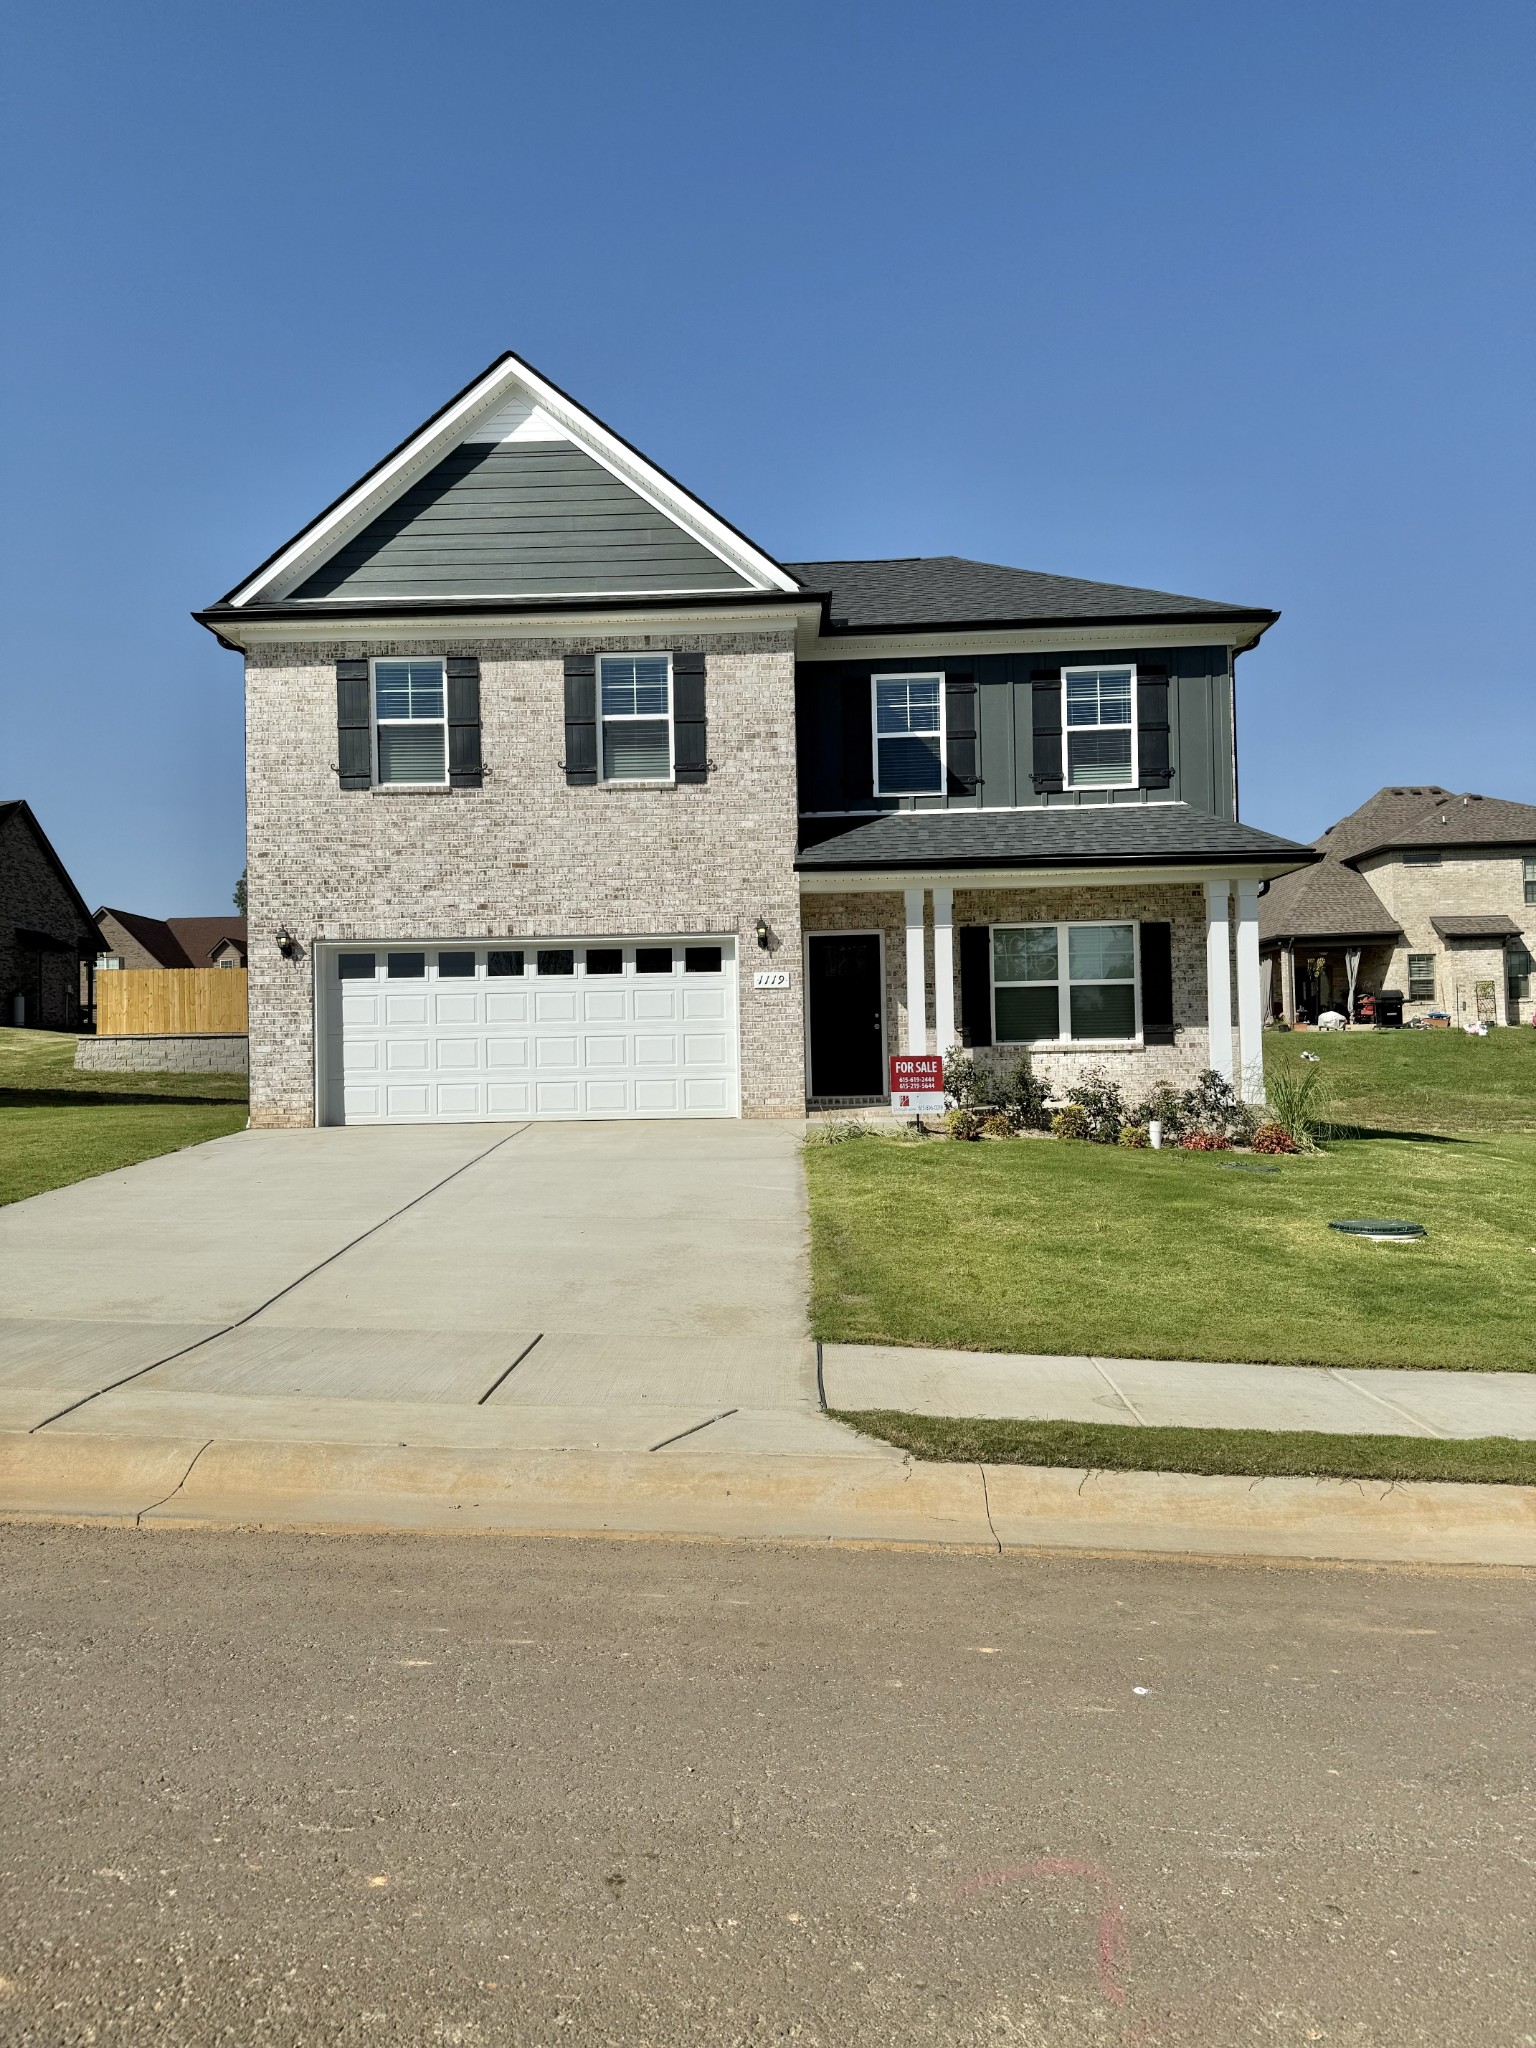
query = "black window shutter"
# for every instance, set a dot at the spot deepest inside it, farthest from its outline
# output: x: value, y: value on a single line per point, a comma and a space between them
x: 690, y: 727
x: 580, y: 719
x: 960, y: 733
x: 354, y: 739
x: 858, y: 743
x: 1047, y: 723
x: 1157, y: 984
x: 1155, y: 764
x: 464, y: 771
x: 975, y: 984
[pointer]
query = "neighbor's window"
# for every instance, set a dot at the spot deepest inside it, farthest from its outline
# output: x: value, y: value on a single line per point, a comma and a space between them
x: 1060, y: 981
x: 409, y: 720
x: 1421, y: 977
x: 636, y: 693
x: 1519, y: 966
x: 1421, y: 857
x: 909, y: 735
x: 1100, y: 726
x: 1530, y: 877
x: 109, y: 960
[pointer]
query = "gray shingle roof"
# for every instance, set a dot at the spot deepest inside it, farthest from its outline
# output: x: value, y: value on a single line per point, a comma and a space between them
x: 1490, y: 924
x: 949, y: 590
x: 1328, y: 901
x: 1448, y: 819
x: 1053, y: 836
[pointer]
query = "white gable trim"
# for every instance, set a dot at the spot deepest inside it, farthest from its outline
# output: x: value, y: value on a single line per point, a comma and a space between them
x: 503, y: 383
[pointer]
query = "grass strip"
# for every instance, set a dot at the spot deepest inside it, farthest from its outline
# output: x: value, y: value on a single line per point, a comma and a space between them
x: 1238, y: 1453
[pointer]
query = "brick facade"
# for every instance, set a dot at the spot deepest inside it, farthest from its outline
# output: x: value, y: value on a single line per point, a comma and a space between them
x: 525, y: 857
x: 1461, y: 883
x: 43, y: 979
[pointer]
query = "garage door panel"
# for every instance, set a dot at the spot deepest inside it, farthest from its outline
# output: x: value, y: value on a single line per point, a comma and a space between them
x: 506, y: 1047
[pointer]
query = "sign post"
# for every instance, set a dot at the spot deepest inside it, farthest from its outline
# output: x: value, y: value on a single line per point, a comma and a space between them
x: 917, y: 1084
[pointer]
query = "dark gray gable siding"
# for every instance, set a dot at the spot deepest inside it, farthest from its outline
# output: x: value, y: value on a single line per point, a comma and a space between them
x: 833, y: 718
x: 528, y: 519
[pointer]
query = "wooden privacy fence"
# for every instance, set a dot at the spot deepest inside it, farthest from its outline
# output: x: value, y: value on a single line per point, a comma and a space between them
x: 169, y: 1001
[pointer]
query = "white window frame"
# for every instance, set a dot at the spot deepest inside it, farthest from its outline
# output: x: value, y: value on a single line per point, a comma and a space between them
x: 921, y: 675
x: 604, y: 719
x: 1065, y: 984
x: 1528, y: 876
x: 1434, y: 976
x: 374, y: 721
x: 1095, y: 668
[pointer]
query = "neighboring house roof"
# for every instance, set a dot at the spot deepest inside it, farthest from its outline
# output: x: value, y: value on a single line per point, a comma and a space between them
x: 950, y: 590
x: 1490, y: 924
x: 1453, y: 820
x: 513, y: 497
x: 18, y: 809
x: 1328, y: 901
x: 178, y: 941
x: 1379, y: 816
x: 1050, y: 836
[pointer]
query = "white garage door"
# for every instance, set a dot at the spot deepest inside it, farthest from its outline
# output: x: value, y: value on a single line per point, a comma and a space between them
x: 438, y: 1033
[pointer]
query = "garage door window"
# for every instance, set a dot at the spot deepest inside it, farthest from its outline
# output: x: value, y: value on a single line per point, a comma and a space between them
x: 557, y: 960
x: 455, y: 966
x: 407, y: 966
x: 653, y: 959
x: 410, y: 722
x: 503, y: 963
x: 355, y: 967
x: 605, y: 960
x: 701, y: 959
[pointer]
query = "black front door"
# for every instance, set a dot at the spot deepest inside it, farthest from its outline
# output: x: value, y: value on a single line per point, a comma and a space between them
x: 847, y: 1039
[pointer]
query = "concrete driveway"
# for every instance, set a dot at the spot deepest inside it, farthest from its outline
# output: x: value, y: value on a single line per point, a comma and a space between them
x: 541, y: 1285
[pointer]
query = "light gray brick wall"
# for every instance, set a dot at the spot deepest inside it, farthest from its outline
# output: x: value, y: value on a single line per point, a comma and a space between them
x: 202, y: 1052
x: 1136, y: 1068
x: 525, y: 857
x: 1463, y: 883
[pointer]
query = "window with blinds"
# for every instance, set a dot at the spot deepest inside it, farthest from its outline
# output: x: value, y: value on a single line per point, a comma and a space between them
x: 1530, y: 877
x: 635, y: 693
x: 410, y: 722
x: 1099, y: 718
x: 1421, y: 977
x: 909, y: 735
x: 1064, y: 982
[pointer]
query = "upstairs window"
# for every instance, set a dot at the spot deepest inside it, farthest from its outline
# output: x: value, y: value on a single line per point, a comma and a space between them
x: 1100, y: 723
x: 410, y: 722
x: 909, y: 735
x: 1530, y: 877
x: 1421, y: 857
x: 635, y: 691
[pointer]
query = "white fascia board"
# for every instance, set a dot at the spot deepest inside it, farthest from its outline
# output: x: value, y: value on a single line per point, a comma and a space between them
x: 1233, y: 635
x: 891, y: 881
x: 378, y: 490
x: 772, y: 615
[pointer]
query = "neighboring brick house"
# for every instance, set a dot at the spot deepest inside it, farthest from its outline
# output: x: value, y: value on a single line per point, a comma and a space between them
x: 565, y: 799
x: 46, y: 931
x: 131, y: 940
x: 1436, y: 893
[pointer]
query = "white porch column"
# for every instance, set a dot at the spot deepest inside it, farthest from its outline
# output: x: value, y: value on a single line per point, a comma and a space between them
x: 943, y: 971
x: 917, y: 980
x: 1250, y: 1009
x: 1218, y: 977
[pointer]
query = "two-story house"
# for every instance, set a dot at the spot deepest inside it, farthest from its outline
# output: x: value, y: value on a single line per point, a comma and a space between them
x: 1429, y: 893
x: 568, y: 800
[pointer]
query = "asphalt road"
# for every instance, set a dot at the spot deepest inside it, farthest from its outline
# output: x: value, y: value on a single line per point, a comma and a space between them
x: 485, y: 1791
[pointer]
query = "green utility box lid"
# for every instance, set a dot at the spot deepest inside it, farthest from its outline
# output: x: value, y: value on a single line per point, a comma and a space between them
x: 1375, y: 1226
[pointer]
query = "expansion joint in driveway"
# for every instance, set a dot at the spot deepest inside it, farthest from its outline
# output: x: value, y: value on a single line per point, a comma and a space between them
x: 262, y: 1306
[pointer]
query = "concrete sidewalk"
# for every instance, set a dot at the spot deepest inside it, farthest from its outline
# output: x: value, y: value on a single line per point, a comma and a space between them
x: 1180, y: 1393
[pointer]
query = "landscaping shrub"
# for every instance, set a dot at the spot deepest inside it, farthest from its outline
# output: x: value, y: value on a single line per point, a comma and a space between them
x: 996, y: 1124
x: 1206, y: 1141
x: 1020, y: 1093
x: 1212, y: 1106
x: 1301, y: 1104
x: 1166, y: 1106
x: 1102, y: 1104
x: 965, y: 1124
x: 964, y: 1082
x: 839, y: 1131
x: 1273, y: 1138
x: 1135, y: 1137
x: 1071, y: 1122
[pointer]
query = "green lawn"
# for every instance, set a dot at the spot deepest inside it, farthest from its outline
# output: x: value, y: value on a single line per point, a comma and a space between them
x: 1040, y: 1246
x: 1248, y: 1453
x: 58, y: 1125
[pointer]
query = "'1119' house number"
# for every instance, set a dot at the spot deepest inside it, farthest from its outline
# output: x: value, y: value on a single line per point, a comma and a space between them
x: 772, y: 977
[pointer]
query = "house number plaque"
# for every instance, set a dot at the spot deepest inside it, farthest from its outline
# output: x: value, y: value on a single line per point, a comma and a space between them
x: 771, y: 977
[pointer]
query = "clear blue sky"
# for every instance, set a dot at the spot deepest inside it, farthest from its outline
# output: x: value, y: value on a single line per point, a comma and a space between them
x: 1220, y: 298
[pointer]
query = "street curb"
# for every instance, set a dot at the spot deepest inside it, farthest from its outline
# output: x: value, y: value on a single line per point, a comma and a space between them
x: 183, y: 1482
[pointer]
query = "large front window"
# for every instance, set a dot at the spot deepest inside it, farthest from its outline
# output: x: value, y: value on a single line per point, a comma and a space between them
x: 1100, y: 727
x: 409, y: 721
x: 1062, y: 982
x: 909, y: 735
x: 636, y: 693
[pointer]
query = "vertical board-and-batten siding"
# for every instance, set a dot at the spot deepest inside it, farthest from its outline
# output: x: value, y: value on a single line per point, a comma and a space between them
x: 833, y: 714
x: 518, y: 517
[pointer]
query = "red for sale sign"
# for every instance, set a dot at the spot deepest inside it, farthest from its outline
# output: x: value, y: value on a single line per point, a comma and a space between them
x: 917, y: 1083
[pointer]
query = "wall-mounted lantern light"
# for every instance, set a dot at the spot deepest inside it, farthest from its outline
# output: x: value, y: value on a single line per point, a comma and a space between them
x: 287, y: 944
x: 763, y: 933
